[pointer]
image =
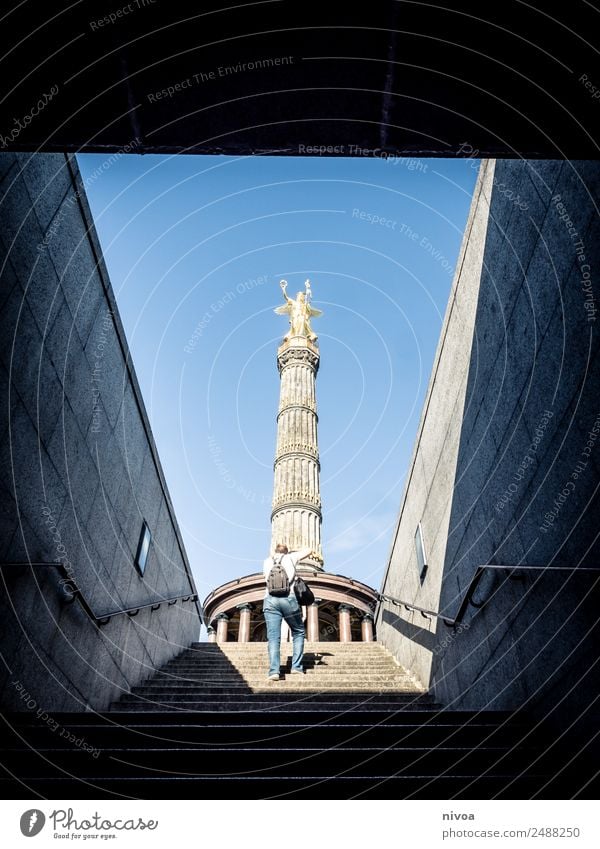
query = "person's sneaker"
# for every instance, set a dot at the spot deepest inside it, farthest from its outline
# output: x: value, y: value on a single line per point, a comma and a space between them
x: 297, y: 672
x: 273, y: 677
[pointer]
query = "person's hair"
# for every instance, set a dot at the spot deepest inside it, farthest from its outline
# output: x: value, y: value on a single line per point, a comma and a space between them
x: 281, y: 548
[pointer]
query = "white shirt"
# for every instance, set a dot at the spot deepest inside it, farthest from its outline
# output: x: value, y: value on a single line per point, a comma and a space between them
x: 288, y: 562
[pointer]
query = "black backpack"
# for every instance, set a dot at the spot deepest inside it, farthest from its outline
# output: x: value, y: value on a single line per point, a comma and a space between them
x: 303, y: 592
x: 278, y: 583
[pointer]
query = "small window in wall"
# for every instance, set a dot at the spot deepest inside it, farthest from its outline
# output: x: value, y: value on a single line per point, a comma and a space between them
x: 143, y: 548
x: 421, y: 556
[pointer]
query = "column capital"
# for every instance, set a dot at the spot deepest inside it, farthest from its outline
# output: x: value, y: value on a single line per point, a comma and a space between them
x: 245, y: 605
x: 223, y: 617
x: 344, y: 608
x: 367, y: 616
x: 298, y: 353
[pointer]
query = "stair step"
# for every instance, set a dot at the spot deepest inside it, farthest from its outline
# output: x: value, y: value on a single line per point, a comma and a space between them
x: 309, y: 645
x: 306, y: 786
x: 263, y: 685
x: 254, y: 707
x: 260, y: 674
x: 404, y: 711
x: 283, y: 683
x: 264, y: 663
x: 212, y: 762
x: 326, y: 734
x: 259, y: 663
x: 250, y: 671
x: 283, y: 690
x: 275, y: 695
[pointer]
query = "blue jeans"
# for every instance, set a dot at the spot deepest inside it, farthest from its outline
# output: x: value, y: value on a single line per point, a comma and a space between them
x: 276, y: 608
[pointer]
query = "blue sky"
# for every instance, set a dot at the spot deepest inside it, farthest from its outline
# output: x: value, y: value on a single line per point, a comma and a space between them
x: 196, y: 246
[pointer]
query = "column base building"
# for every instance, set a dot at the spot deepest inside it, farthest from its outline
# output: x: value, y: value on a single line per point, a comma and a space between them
x: 342, y: 612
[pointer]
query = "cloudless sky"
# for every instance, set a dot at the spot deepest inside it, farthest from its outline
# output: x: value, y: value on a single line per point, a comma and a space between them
x: 195, y: 247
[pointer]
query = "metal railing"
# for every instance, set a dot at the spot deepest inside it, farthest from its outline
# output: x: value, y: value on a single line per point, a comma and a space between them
x: 468, y: 596
x: 71, y: 592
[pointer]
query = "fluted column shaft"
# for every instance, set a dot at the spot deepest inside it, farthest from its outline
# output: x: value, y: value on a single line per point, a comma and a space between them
x: 296, y: 516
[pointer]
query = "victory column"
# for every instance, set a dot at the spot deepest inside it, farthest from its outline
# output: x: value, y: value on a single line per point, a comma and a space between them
x: 296, y: 516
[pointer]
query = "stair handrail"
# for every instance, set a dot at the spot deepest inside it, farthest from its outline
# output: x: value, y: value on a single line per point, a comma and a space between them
x: 467, y: 599
x: 71, y: 592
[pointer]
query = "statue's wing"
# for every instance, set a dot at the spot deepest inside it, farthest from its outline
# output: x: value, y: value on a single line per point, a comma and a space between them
x: 282, y: 310
x: 315, y: 312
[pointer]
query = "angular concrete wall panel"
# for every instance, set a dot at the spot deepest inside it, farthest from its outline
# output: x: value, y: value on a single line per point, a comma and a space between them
x: 428, y: 494
x: 78, y: 467
x: 516, y: 430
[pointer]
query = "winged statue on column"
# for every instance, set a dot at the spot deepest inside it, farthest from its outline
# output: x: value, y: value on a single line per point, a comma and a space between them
x: 300, y: 312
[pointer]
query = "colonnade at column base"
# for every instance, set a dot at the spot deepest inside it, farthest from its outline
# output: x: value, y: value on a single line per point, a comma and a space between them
x: 343, y: 611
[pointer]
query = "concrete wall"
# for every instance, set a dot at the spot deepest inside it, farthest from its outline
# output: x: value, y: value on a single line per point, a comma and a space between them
x: 78, y: 467
x: 507, y: 462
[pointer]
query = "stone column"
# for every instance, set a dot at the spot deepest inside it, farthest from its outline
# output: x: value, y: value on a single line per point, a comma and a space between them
x: 312, y: 622
x: 212, y: 636
x: 222, y: 623
x: 366, y: 628
x: 245, y: 620
x: 344, y: 623
x: 296, y: 514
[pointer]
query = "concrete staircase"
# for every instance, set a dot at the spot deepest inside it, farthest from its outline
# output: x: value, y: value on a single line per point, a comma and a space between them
x: 209, y: 724
x: 207, y: 676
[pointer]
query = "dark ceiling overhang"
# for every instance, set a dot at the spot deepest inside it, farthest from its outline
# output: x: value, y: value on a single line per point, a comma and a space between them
x: 301, y: 78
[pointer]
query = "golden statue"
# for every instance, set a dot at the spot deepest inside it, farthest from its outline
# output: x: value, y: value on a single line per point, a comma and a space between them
x: 299, y: 311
